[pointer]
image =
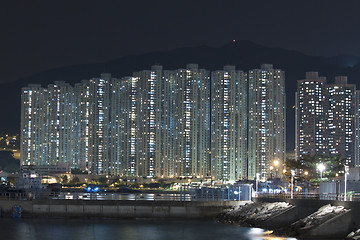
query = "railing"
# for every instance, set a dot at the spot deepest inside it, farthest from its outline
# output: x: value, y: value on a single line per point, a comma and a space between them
x: 96, y: 196
x: 202, y: 194
x: 14, y: 195
x: 242, y: 193
x: 321, y: 196
x: 117, y: 196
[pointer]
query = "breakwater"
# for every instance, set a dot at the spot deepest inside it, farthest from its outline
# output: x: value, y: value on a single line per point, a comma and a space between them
x: 302, y: 218
x: 54, y: 208
x: 305, y: 207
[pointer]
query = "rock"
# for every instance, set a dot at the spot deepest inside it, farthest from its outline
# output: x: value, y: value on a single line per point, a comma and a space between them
x: 323, y: 214
x: 350, y: 235
x: 253, y: 212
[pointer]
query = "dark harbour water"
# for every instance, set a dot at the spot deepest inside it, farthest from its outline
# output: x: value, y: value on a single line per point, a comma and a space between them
x: 100, y: 229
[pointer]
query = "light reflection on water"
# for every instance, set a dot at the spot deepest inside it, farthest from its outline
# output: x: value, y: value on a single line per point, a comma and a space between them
x: 140, y: 229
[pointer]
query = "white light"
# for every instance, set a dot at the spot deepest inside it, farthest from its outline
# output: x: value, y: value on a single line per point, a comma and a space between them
x: 321, y: 167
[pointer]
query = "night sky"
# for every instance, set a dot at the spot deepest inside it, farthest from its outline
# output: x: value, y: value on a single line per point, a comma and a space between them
x: 41, y: 35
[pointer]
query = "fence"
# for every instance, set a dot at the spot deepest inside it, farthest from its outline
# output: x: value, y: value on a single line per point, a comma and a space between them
x: 320, y: 196
x: 237, y: 193
x: 14, y: 195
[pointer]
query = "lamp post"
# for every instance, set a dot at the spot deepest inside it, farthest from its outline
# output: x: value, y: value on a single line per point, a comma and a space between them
x: 276, y: 164
x: 345, y: 176
x: 257, y: 183
x: 321, y: 168
x: 292, y: 183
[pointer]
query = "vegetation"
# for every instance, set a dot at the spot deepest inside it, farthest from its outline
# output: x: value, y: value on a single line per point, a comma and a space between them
x: 74, y: 181
x: 306, y: 168
x: 103, y: 180
x: 64, y: 179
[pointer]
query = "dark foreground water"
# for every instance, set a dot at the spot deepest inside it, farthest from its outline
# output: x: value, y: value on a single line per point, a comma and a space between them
x: 62, y: 229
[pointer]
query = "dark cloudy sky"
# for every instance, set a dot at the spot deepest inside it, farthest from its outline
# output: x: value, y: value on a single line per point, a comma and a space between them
x: 40, y: 35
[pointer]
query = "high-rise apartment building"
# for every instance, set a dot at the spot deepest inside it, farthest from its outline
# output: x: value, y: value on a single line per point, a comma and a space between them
x: 34, y: 126
x: 99, y: 125
x: 357, y: 129
x: 125, y: 115
x: 229, y: 124
x: 60, y: 129
x: 82, y: 127
x: 311, y: 115
x: 159, y: 123
x: 149, y: 129
x: 325, y: 118
x: 267, y: 118
x: 341, y: 119
x: 192, y: 122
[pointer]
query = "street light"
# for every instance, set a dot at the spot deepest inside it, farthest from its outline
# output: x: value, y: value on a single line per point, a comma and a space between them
x: 257, y: 183
x: 346, y: 173
x: 292, y: 183
x: 276, y: 164
x: 321, y: 168
x: 271, y: 171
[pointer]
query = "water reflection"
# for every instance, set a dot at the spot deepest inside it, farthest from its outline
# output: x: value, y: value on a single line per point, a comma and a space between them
x: 104, y: 229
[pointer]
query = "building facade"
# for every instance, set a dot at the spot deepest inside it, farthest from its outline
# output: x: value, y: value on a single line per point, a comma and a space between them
x: 192, y: 122
x: 311, y: 106
x: 267, y: 121
x: 187, y: 122
x: 357, y: 129
x: 341, y: 120
x: 34, y: 126
x: 325, y: 118
x: 229, y: 124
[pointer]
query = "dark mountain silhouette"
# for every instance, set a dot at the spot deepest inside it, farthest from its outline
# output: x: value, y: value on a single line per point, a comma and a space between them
x: 345, y: 60
x: 244, y: 55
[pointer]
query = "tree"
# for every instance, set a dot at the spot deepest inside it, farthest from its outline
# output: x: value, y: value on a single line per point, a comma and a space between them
x: 306, y: 168
x: 64, y: 179
x: 75, y: 180
x: 103, y: 180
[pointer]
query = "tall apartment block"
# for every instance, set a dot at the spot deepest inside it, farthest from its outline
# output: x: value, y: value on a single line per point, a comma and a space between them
x: 311, y: 115
x: 341, y: 119
x: 34, y: 122
x: 159, y: 123
x: 99, y: 125
x: 82, y: 127
x: 192, y: 122
x: 60, y: 129
x: 357, y: 129
x: 325, y: 118
x: 229, y: 124
x: 267, y: 128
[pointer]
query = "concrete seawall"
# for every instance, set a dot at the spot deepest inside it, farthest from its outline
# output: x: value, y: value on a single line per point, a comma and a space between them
x: 117, y: 209
x: 339, y: 226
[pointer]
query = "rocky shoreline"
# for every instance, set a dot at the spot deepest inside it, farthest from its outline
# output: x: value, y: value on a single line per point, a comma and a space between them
x: 252, y: 213
x: 319, y: 217
x: 262, y: 214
